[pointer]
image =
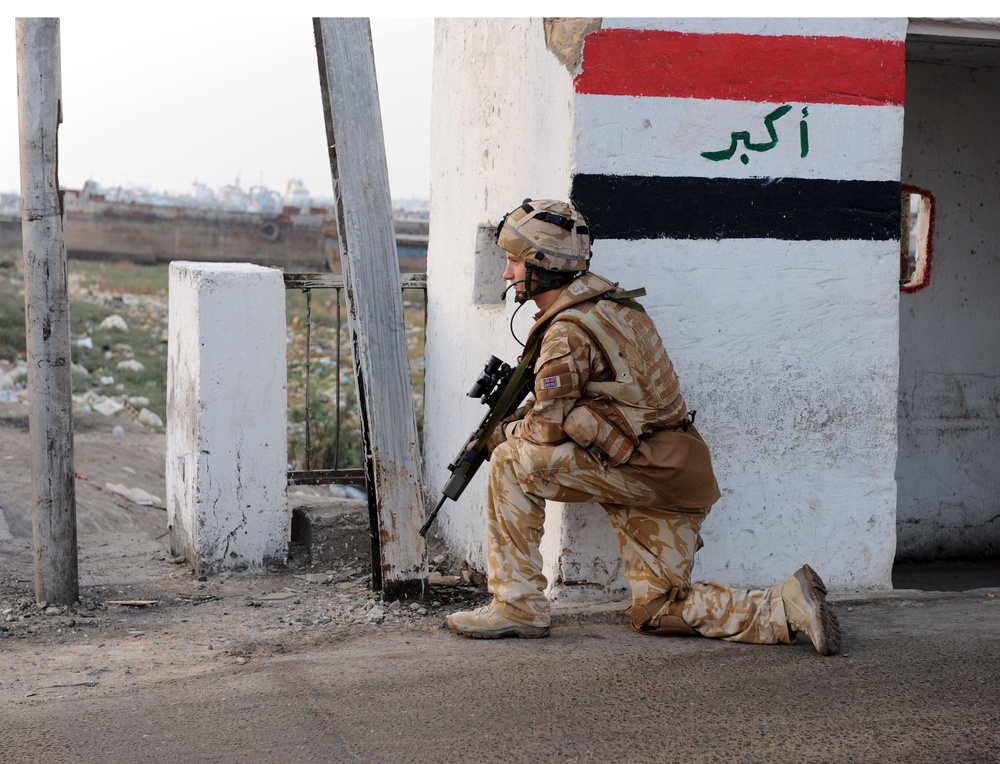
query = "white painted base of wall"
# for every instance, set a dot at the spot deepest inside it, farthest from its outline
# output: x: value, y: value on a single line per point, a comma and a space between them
x: 226, y: 471
x: 580, y: 555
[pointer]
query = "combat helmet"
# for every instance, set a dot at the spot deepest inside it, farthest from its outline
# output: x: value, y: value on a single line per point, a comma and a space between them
x: 553, y: 240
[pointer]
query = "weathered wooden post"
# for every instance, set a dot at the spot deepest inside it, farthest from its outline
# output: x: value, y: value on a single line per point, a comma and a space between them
x: 374, y: 302
x: 46, y: 300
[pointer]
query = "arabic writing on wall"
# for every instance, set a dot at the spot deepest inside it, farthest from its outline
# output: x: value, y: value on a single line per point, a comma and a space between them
x: 743, y: 136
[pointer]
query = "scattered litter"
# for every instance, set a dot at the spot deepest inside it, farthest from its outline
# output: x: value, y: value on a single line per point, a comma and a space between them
x: 149, y: 419
x: 131, y: 365
x: 133, y: 603
x: 136, y: 495
x: 991, y: 596
x: 275, y: 596
x: 353, y: 492
x: 118, y: 432
x: 85, y: 342
x: 113, y: 321
x: 316, y: 578
x: 439, y: 580
x: 14, y: 378
x: 71, y: 684
x: 107, y: 406
x: 196, y: 599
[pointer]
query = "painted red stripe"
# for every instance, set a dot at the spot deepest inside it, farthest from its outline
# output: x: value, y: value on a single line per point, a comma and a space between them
x: 739, y: 67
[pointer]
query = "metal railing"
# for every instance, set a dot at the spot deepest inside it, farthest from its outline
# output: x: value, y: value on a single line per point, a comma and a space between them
x: 323, y: 465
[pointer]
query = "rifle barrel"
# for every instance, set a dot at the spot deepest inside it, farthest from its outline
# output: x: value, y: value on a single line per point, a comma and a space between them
x: 430, y: 518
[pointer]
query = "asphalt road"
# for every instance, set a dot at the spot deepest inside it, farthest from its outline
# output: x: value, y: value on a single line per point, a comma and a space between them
x: 918, y: 681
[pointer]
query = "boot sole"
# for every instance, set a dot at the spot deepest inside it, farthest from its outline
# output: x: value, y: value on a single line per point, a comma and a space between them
x: 498, y: 634
x: 829, y: 642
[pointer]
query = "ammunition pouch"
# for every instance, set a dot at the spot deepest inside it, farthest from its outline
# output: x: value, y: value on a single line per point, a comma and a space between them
x: 593, y: 431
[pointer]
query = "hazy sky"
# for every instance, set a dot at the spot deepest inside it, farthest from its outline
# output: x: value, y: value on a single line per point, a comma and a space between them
x: 163, y: 102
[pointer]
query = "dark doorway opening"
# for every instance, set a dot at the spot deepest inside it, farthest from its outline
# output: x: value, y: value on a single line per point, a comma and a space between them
x: 946, y: 575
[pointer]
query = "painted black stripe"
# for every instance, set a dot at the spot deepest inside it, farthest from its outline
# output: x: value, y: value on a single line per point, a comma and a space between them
x: 796, y: 209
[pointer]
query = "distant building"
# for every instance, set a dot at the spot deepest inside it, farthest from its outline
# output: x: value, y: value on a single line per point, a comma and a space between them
x: 257, y: 226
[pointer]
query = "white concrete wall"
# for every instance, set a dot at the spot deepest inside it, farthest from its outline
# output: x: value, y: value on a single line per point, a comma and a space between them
x: 949, y: 383
x: 226, y: 471
x: 787, y: 349
x: 502, y: 127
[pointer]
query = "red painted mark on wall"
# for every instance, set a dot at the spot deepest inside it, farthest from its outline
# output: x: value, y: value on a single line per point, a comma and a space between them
x: 921, y: 276
x: 740, y: 67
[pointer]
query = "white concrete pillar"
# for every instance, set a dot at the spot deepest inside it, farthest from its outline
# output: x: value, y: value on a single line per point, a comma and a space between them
x: 227, y: 504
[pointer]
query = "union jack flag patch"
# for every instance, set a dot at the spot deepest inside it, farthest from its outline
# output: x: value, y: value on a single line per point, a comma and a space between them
x: 549, y: 382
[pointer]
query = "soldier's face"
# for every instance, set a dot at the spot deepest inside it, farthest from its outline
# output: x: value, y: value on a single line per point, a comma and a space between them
x: 514, y: 272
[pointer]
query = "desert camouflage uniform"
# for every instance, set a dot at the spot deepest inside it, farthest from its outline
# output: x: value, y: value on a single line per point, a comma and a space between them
x: 656, y: 500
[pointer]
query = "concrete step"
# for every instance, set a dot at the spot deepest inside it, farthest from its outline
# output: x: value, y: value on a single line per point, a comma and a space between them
x: 334, y: 532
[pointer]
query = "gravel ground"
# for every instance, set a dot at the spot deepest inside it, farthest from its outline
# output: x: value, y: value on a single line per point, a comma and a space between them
x: 133, y: 589
x: 144, y: 617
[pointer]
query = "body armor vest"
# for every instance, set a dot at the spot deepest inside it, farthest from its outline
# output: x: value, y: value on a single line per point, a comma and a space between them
x: 644, y: 395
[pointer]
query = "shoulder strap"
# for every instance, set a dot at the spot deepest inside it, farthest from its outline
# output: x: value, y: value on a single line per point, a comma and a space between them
x: 626, y: 298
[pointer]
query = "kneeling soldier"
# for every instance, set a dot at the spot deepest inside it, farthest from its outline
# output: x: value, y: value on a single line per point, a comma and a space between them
x: 607, y: 423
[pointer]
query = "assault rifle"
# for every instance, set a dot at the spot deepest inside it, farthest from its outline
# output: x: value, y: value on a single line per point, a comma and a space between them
x: 502, y: 388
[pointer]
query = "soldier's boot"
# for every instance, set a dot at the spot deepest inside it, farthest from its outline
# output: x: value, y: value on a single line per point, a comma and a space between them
x: 807, y: 610
x: 485, y: 623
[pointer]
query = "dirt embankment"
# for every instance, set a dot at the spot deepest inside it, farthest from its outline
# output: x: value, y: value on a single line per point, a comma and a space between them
x: 112, y: 456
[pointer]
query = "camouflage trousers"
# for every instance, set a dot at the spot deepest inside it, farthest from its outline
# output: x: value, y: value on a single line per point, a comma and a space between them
x: 657, y: 544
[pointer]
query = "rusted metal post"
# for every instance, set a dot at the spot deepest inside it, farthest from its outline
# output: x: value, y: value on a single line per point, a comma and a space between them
x: 374, y: 303
x: 46, y: 300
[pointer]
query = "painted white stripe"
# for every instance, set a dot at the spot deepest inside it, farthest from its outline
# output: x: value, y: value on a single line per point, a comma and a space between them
x: 626, y: 135
x: 867, y: 28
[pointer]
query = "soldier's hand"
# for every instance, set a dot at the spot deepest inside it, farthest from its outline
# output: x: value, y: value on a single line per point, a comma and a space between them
x: 496, y: 438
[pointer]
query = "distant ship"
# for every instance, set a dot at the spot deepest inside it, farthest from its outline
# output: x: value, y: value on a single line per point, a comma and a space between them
x: 256, y: 226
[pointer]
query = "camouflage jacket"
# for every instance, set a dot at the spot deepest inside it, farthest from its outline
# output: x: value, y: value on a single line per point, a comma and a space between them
x: 604, y: 380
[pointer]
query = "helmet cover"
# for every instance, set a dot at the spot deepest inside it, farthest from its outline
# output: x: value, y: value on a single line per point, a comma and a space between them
x: 546, y: 234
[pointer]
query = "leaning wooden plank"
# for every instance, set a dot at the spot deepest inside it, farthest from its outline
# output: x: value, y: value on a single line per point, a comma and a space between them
x: 374, y: 302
